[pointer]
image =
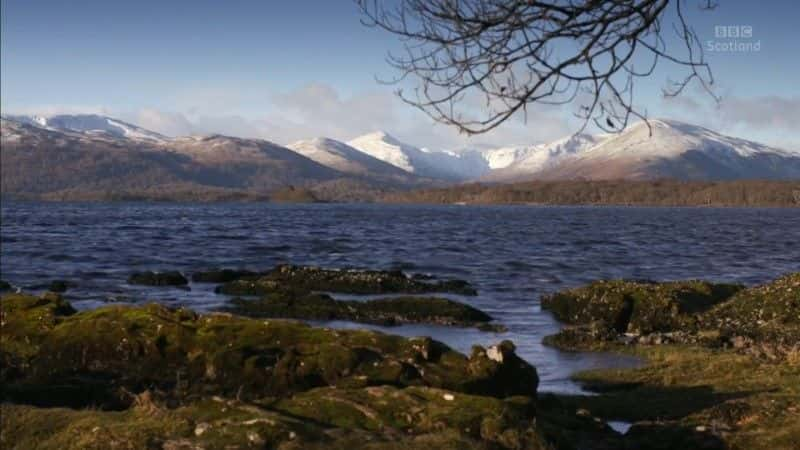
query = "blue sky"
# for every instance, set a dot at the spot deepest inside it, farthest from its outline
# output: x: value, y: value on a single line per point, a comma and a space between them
x: 290, y: 70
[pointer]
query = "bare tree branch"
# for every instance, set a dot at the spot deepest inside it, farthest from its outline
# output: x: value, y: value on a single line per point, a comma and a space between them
x: 514, y: 53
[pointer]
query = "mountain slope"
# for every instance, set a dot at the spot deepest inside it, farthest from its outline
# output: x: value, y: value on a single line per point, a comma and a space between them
x: 675, y: 150
x: 91, y: 124
x: 35, y: 160
x: 513, y: 163
x: 344, y: 158
x: 425, y: 163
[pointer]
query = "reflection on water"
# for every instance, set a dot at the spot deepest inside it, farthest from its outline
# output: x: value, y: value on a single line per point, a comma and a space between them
x: 511, y: 254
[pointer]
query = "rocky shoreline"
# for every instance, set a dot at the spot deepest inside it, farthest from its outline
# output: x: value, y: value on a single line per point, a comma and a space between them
x: 723, y: 361
x: 723, y: 368
x: 154, y: 377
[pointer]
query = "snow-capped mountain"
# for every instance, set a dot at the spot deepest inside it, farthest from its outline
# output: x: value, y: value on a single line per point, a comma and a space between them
x: 672, y: 149
x: 39, y: 160
x: 425, y: 163
x: 90, y: 123
x: 342, y: 157
x: 43, y: 155
x: 514, y: 162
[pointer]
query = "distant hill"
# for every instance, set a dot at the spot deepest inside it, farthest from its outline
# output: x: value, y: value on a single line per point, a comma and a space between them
x: 97, y: 157
x: 69, y: 159
x: 344, y: 158
x: 670, y: 149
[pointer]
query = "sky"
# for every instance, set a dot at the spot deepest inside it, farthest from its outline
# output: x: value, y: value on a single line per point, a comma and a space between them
x: 285, y: 71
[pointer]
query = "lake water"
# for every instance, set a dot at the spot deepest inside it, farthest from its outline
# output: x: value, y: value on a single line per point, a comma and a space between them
x: 511, y: 254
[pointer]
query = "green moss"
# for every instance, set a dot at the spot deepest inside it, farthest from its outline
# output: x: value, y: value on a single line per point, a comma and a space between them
x: 26, y: 320
x: 637, y: 307
x: 764, y: 320
x: 102, y: 354
x: 306, y: 278
x: 769, y: 313
x: 420, y: 410
x: 206, y: 424
x: 377, y: 417
x: 288, y: 303
x: 690, y: 394
x: 732, y: 382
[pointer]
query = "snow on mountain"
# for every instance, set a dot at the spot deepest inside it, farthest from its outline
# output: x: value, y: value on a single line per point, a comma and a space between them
x: 512, y: 162
x: 665, y: 149
x: 342, y: 157
x: 92, y: 124
x: 673, y: 149
x: 422, y: 162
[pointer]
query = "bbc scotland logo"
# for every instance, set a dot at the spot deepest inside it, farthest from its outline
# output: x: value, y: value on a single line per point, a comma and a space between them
x: 733, y: 39
x: 733, y: 31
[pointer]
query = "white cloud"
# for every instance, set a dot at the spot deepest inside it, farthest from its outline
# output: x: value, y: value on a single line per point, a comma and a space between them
x: 768, y: 119
x: 167, y: 123
x: 55, y: 109
x: 319, y: 109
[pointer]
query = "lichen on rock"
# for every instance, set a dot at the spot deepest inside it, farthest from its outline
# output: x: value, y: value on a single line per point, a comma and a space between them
x: 763, y: 319
x: 298, y: 304
x: 152, y: 376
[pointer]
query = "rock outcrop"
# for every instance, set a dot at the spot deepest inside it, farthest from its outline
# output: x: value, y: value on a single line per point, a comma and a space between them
x: 152, y: 376
x: 288, y: 303
x: 763, y: 319
x: 309, y: 278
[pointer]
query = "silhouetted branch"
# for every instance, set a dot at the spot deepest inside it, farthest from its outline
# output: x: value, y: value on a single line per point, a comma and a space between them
x: 514, y: 53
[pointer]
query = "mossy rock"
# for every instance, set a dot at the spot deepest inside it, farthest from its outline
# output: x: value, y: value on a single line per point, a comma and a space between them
x: 107, y: 352
x: 288, y: 303
x: 149, y: 278
x: 4, y: 286
x: 638, y: 307
x: 501, y: 423
x: 762, y: 319
x: 307, y: 278
x: 765, y: 314
x: 693, y: 397
x: 221, y: 275
x: 208, y: 424
x: 380, y: 417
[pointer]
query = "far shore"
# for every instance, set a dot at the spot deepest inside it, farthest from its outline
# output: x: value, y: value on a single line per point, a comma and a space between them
x: 652, y: 193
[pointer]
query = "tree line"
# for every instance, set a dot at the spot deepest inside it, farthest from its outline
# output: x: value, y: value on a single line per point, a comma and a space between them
x: 614, y: 192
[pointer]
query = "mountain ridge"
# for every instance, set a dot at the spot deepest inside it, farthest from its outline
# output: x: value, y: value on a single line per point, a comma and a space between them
x: 42, y: 155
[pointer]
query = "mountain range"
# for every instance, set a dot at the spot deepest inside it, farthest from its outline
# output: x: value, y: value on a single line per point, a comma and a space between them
x: 68, y: 156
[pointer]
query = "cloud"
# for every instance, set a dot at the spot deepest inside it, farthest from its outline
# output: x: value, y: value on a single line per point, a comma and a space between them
x: 769, y: 111
x: 167, y: 123
x: 318, y: 109
x: 55, y: 109
x: 769, y: 119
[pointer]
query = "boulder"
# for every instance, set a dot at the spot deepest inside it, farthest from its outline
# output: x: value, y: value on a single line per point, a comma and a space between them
x: 51, y: 354
x: 638, y: 307
x: 308, y: 278
x: 288, y: 303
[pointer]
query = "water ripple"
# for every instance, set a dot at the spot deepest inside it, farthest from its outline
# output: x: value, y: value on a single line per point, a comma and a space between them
x: 512, y: 254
